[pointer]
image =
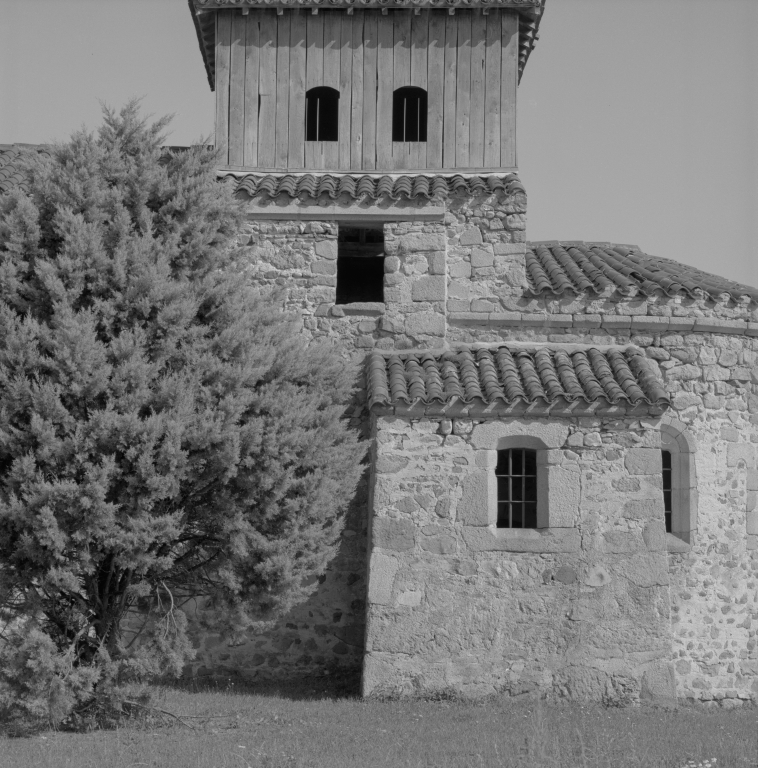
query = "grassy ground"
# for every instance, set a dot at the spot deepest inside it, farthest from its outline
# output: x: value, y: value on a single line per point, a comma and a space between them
x: 325, y: 727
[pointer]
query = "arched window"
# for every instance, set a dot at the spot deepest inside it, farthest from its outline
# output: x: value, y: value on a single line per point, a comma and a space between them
x: 322, y: 107
x: 409, y: 114
x: 679, y: 479
x: 516, y: 474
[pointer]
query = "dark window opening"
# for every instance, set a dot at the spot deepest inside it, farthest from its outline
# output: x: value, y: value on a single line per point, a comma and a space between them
x: 322, y: 108
x: 360, y: 265
x: 409, y: 114
x: 667, y: 487
x: 516, y: 474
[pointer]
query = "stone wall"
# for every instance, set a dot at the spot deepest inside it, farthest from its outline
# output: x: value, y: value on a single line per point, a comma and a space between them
x: 578, y: 609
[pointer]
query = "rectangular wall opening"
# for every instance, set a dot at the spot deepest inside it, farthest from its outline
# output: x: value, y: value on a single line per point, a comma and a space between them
x: 360, y: 264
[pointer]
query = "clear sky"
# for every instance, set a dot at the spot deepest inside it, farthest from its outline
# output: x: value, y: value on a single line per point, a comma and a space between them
x: 637, y: 121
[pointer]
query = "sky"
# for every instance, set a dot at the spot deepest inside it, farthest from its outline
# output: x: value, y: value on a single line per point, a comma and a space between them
x: 637, y: 121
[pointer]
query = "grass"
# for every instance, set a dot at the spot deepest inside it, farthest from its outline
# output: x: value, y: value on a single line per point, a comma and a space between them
x: 322, y: 726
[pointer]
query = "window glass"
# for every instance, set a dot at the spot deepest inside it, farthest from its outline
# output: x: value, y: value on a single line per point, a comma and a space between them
x: 516, y: 473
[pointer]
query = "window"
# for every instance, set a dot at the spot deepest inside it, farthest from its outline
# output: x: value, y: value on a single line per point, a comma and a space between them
x: 666, y: 464
x: 516, y: 474
x: 360, y: 265
x: 679, y: 479
x: 409, y: 114
x: 322, y: 106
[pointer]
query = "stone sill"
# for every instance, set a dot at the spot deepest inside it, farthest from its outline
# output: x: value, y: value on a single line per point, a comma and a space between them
x: 543, y: 540
x: 368, y: 308
x: 675, y: 544
x: 631, y: 323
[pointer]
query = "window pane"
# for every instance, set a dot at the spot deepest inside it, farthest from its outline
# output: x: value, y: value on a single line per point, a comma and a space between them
x: 666, y: 459
x: 517, y: 515
x: 667, y: 501
x: 503, y: 489
x: 517, y: 489
x: 530, y: 489
x: 530, y: 462
x: 517, y: 461
x: 530, y: 515
x: 668, y: 522
x: 503, y: 463
x: 502, y: 515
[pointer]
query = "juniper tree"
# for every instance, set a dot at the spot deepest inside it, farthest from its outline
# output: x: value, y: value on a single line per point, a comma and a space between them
x: 163, y: 428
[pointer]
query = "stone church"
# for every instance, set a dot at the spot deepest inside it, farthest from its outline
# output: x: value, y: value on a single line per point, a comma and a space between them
x: 561, y: 494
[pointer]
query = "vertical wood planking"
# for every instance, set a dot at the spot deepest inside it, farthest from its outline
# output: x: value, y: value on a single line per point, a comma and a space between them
x: 384, y: 92
x: 332, y: 47
x: 296, y: 110
x: 448, y: 108
x: 252, y: 68
x: 282, y: 88
x: 463, y: 91
x: 267, y: 80
x: 223, y: 43
x: 401, y: 76
x: 508, y: 84
x: 476, y: 112
x: 314, y: 75
x: 492, y: 91
x: 435, y: 88
x: 237, y: 90
x: 370, y: 96
x: 356, y: 100
x: 419, y: 59
x: 346, y: 89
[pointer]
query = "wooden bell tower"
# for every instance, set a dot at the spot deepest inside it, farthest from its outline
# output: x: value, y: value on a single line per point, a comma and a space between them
x: 366, y: 86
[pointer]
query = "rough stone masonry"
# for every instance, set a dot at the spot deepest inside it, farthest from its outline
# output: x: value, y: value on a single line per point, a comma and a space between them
x: 599, y: 602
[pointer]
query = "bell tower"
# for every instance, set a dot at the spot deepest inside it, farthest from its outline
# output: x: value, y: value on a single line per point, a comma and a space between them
x: 366, y: 86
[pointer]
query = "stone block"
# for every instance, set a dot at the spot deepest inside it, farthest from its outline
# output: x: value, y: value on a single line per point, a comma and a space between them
x: 564, y: 487
x: 459, y: 269
x: 752, y: 522
x: 683, y: 400
x: 522, y: 540
x: 752, y: 480
x: 390, y: 533
x: 684, y: 373
x: 659, y: 683
x: 430, y: 288
x: 481, y: 258
x: 391, y: 265
x: 425, y: 324
x: 410, y: 598
x: 326, y: 249
x: 382, y: 570
x: 642, y: 509
x: 436, y: 262
x: 654, y: 535
x: 324, y: 267
x: 736, y: 452
x: 391, y: 464
x: 471, y: 236
x: 643, y: 461
x: 439, y: 545
x: 458, y: 289
x: 552, y: 434
x: 414, y: 242
x: 479, y: 498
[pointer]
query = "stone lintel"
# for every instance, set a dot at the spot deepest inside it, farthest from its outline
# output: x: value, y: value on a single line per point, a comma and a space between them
x: 334, y: 211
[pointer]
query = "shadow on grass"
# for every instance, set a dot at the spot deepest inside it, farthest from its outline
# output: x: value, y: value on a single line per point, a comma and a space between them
x: 339, y: 685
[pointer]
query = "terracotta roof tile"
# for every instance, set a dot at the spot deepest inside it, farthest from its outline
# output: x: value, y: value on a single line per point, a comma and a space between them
x: 513, y: 374
x: 374, y: 187
x: 204, y: 18
x: 579, y: 268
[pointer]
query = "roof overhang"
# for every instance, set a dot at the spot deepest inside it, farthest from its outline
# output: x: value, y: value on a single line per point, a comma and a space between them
x: 204, y: 17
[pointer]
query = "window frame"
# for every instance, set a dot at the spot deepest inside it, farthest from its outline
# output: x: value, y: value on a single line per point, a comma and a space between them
x: 401, y: 95
x: 322, y: 93
x: 676, y: 439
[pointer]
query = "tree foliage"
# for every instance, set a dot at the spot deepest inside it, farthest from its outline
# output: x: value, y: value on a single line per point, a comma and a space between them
x: 164, y: 429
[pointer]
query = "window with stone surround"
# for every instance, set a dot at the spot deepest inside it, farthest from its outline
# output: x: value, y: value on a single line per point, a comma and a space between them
x: 679, y: 481
x: 360, y: 264
x: 322, y: 107
x: 516, y: 474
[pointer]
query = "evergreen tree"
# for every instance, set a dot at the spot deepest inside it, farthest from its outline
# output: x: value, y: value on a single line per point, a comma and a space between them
x: 164, y: 429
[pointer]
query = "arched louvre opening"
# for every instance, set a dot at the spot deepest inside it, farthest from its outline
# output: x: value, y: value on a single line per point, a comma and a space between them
x: 409, y: 112
x: 322, y: 107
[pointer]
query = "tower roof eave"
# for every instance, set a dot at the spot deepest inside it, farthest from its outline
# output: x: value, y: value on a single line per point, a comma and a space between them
x: 203, y: 16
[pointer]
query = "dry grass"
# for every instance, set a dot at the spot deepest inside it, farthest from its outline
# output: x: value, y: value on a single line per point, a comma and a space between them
x: 321, y: 727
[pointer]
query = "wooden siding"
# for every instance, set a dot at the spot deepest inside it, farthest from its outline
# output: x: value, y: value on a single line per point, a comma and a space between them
x: 467, y: 62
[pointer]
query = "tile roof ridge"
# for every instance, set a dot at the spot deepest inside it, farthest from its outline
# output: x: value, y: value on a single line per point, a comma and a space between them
x: 589, y: 243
